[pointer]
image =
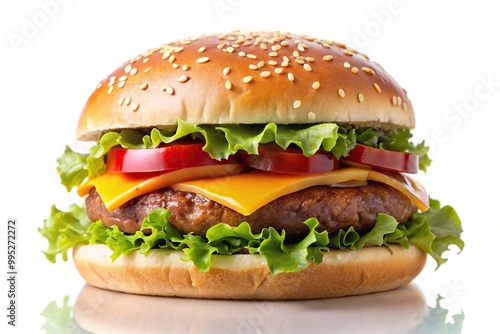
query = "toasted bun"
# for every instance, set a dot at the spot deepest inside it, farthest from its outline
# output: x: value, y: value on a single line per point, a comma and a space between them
x: 164, y: 273
x: 249, y: 78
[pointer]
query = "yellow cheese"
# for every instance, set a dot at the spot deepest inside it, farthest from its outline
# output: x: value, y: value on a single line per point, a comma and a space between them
x: 247, y: 192
x: 115, y: 189
x: 243, y: 192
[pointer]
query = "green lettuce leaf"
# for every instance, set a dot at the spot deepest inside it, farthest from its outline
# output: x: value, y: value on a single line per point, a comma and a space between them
x: 421, y: 150
x: 71, y: 167
x: 63, y: 230
x: 433, y: 231
x: 309, y: 138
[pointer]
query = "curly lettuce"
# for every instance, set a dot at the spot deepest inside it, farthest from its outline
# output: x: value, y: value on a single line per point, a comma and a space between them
x: 433, y: 231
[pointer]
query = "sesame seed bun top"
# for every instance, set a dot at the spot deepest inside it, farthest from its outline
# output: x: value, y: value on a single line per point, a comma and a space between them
x: 246, y: 78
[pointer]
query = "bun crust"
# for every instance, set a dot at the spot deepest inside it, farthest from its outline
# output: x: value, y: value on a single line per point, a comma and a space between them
x: 238, y: 78
x: 242, y: 276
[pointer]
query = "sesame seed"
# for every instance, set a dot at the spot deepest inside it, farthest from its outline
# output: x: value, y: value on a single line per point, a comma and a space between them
x: 110, y: 89
x: 171, y: 59
x: 202, y: 60
x: 123, y: 78
x: 368, y: 70
x: 202, y: 49
x: 169, y: 90
x: 145, y: 60
x: 133, y: 71
x: 399, y: 101
x: 247, y: 79
x: 265, y: 74
x: 354, y: 70
x: 296, y: 104
x: 284, y: 63
x: 135, y: 106
x: 310, y: 59
x: 377, y: 87
x: 175, y: 65
x: 185, y: 67
x: 284, y: 43
x: 252, y: 66
x: 183, y: 78
x: 121, y: 101
x: 144, y: 86
x: 228, y: 85
x: 394, y: 100
x: 328, y: 57
x: 128, y: 68
x: 273, y: 54
x: 361, y: 98
x: 311, y: 116
x: 278, y: 70
x: 241, y: 54
x: 276, y: 47
x: 348, y: 53
x: 315, y: 85
x: 121, y: 84
x: 226, y: 71
x: 291, y: 77
x: 301, y: 47
x: 263, y: 46
x: 307, y: 67
x: 341, y: 92
x: 296, y: 54
x: 272, y: 62
x: 347, y: 65
x: 340, y: 45
x: 261, y: 64
x: 405, y: 107
x: 127, y: 101
x: 251, y: 56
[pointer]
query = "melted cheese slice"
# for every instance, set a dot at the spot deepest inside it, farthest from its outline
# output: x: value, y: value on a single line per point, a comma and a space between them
x: 115, y: 189
x: 247, y: 192
x: 242, y: 192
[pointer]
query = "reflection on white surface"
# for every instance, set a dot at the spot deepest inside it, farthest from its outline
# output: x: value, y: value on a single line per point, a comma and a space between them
x: 399, y: 311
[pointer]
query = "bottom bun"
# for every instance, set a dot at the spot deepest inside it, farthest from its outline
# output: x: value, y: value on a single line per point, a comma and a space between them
x: 241, y: 276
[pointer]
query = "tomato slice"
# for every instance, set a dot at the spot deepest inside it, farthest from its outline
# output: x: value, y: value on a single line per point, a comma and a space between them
x: 181, y: 154
x: 273, y: 158
x: 401, y: 162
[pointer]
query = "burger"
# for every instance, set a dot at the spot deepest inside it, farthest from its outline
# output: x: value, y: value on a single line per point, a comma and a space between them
x: 261, y: 165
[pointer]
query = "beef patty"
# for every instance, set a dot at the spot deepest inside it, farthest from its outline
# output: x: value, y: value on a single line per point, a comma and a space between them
x: 335, y: 208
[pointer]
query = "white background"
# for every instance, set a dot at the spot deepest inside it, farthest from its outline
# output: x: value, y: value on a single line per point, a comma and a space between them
x: 446, y: 54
